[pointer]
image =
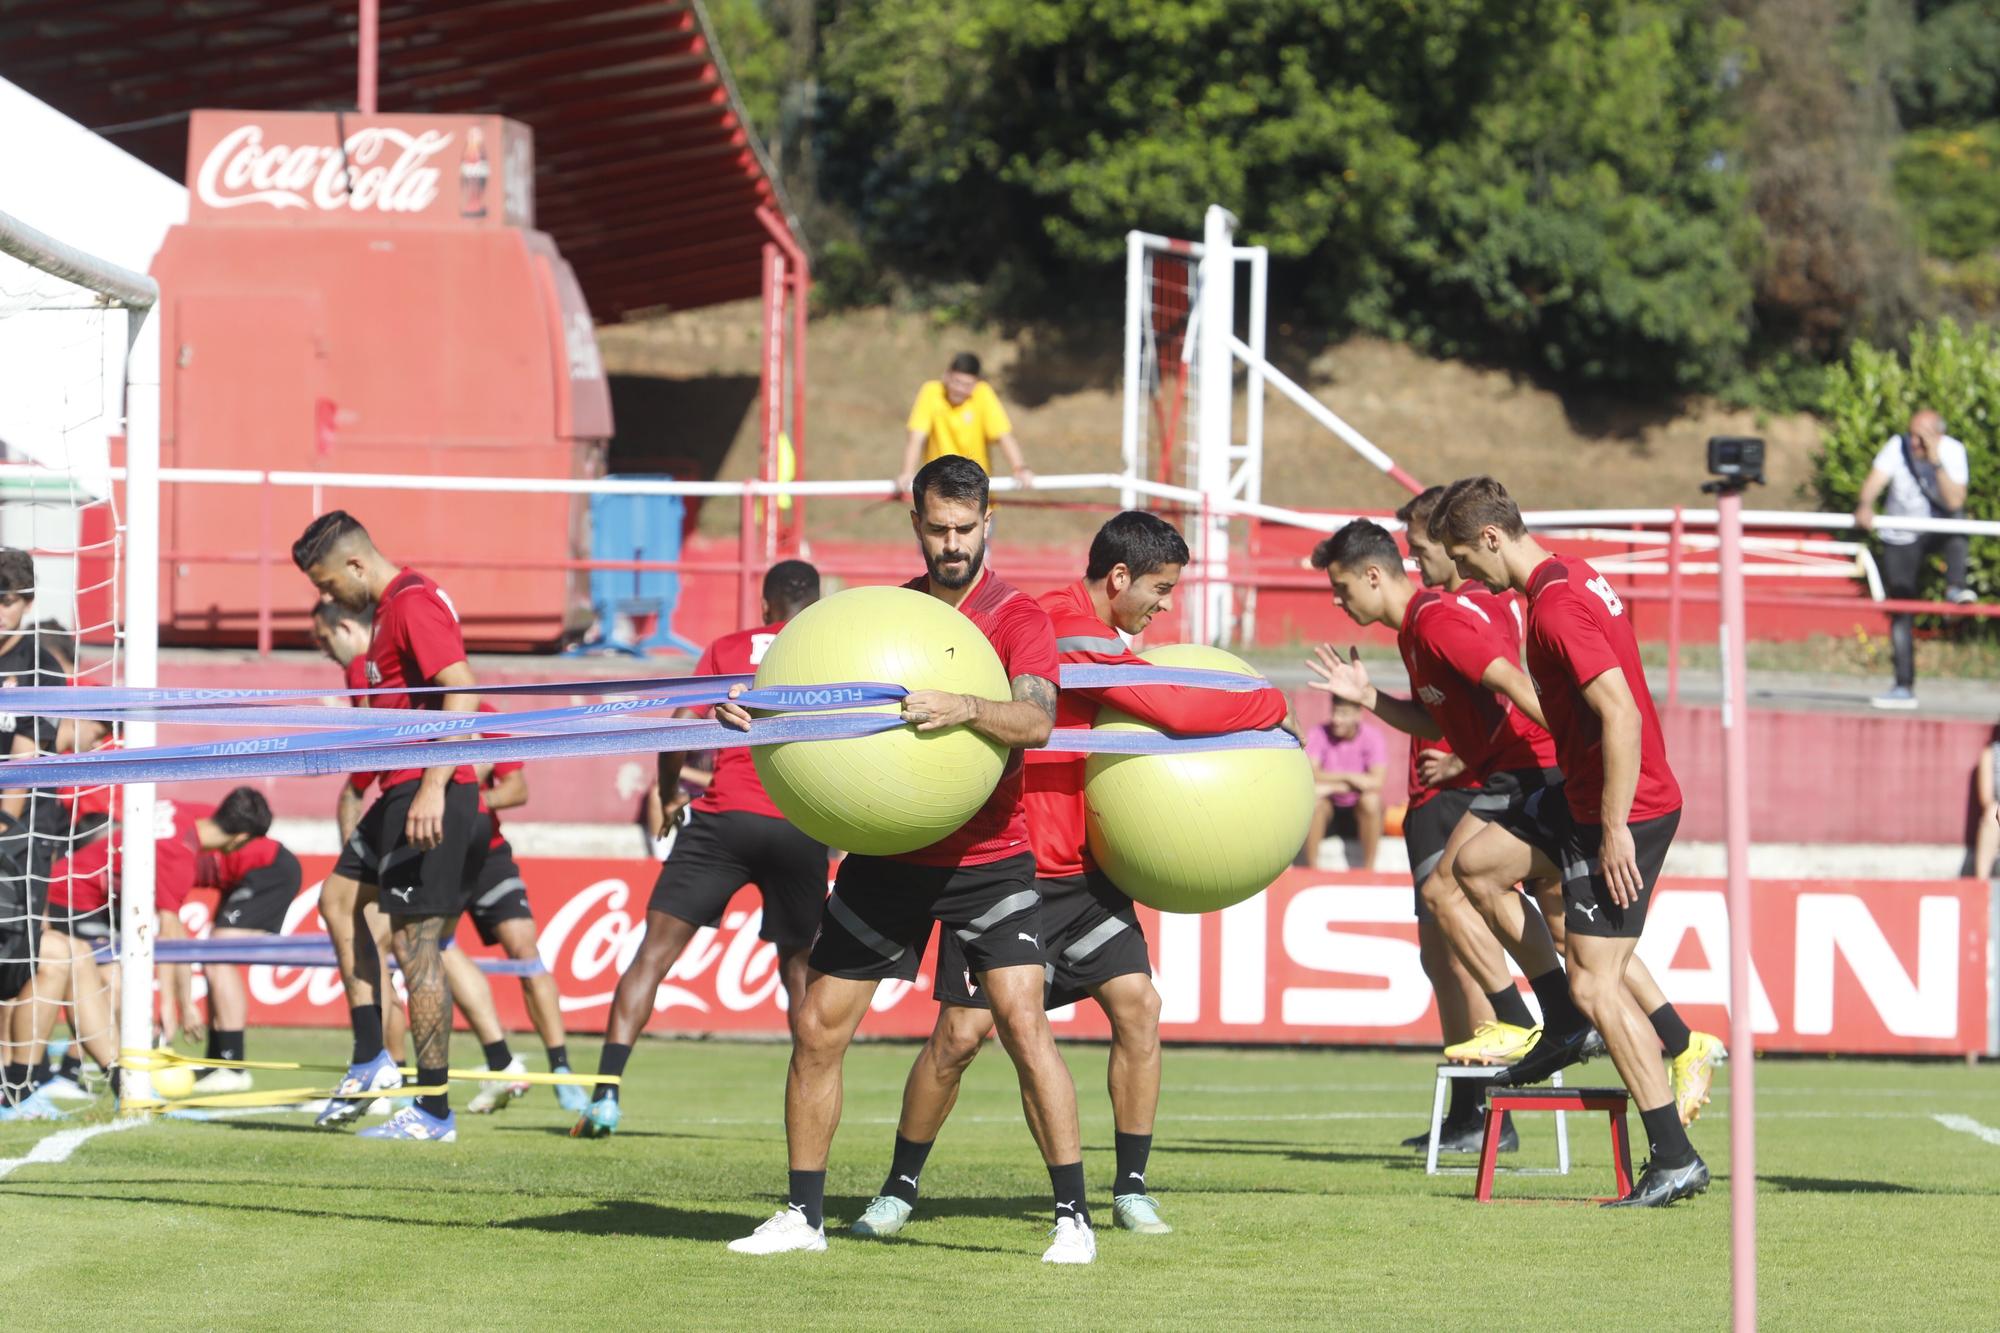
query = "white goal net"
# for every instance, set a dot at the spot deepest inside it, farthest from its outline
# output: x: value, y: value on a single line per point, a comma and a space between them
x: 69, y: 324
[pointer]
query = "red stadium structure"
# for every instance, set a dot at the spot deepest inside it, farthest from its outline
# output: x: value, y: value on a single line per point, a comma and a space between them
x: 414, y: 291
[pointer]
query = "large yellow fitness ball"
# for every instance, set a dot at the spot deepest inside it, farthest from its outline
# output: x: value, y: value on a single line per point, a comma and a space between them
x: 897, y: 790
x: 1195, y: 831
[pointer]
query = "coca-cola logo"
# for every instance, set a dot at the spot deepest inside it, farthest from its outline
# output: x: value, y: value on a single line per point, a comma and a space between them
x: 383, y: 170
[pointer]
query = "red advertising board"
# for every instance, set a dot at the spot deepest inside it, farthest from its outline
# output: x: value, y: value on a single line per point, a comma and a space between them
x: 1855, y: 966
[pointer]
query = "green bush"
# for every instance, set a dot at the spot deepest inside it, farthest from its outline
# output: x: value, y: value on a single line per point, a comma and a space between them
x: 1871, y: 397
x: 1949, y: 180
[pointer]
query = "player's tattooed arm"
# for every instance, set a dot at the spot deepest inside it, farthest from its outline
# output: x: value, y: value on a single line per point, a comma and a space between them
x: 1023, y: 721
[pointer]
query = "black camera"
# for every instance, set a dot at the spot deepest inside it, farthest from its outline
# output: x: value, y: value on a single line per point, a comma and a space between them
x: 1737, y: 459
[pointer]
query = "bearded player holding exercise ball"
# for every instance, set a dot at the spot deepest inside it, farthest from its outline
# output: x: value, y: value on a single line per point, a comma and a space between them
x: 978, y: 882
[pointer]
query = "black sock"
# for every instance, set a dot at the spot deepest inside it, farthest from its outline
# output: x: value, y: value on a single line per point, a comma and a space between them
x: 1468, y: 1101
x: 114, y: 1074
x: 214, y: 1051
x: 434, y: 1099
x: 558, y: 1058
x: 367, y: 1022
x: 13, y: 1082
x: 1067, y: 1182
x: 1559, y: 1012
x: 497, y: 1054
x: 72, y: 1065
x: 1132, y: 1150
x: 611, y: 1064
x: 1666, y: 1138
x: 1509, y: 1007
x: 809, y: 1196
x: 38, y: 1074
x: 1672, y: 1032
x: 225, y: 1045
x: 905, y: 1169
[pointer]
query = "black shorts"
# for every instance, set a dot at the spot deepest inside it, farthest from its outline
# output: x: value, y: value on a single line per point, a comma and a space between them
x: 1089, y: 932
x: 1575, y: 848
x: 717, y: 852
x: 262, y: 897
x: 18, y: 956
x: 413, y: 882
x: 94, y: 926
x: 495, y: 891
x: 1427, y: 829
x: 879, y: 916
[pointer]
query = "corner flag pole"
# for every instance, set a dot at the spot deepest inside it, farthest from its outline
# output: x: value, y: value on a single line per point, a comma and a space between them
x: 1736, y: 807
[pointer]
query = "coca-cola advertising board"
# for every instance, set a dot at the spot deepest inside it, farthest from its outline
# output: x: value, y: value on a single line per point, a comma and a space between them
x: 322, y: 168
x: 1853, y: 966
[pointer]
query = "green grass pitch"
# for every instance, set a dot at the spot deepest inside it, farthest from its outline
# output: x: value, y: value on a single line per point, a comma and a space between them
x: 1278, y: 1169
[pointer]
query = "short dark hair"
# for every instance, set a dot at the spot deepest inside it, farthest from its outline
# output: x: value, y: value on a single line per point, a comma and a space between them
x: 17, y: 572
x: 1415, y: 515
x: 965, y: 363
x: 1470, y: 505
x: 950, y: 477
x: 324, y: 533
x: 244, y: 810
x: 1139, y: 541
x: 331, y: 614
x: 1358, y: 545
x: 790, y: 586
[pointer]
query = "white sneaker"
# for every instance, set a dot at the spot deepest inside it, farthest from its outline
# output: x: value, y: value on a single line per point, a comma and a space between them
x: 885, y: 1216
x: 218, y: 1081
x: 785, y: 1232
x: 1074, y: 1243
x: 62, y: 1088
x: 494, y: 1094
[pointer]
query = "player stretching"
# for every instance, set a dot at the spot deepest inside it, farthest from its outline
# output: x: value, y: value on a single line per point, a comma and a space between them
x: 978, y: 882
x: 1611, y: 821
x: 1089, y: 929
x: 413, y: 846
x: 731, y: 836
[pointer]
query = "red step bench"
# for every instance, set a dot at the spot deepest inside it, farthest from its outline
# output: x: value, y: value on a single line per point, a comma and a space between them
x: 1613, y: 1101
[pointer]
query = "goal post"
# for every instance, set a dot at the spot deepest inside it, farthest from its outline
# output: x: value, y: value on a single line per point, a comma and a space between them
x: 83, y: 347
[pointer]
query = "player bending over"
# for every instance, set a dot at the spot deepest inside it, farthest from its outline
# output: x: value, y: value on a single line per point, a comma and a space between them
x: 1609, y: 824
x: 255, y: 884
x: 1089, y: 930
x: 979, y: 882
x: 413, y: 846
x: 730, y: 836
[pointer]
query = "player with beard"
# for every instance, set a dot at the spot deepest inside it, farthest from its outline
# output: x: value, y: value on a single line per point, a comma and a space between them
x: 413, y: 846
x: 979, y: 882
x: 1089, y: 929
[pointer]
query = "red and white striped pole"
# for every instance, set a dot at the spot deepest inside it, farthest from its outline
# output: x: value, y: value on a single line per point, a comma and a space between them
x: 1736, y: 823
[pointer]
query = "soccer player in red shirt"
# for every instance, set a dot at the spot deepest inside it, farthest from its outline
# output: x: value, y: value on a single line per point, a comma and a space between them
x: 344, y: 636
x: 255, y: 885
x: 82, y: 911
x: 979, y: 881
x: 730, y: 836
x: 1610, y: 823
x: 413, y: 846
x: 1089, y: 930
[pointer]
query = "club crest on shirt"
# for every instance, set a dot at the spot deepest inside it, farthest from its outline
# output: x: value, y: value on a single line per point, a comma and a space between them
x: 374, y: 673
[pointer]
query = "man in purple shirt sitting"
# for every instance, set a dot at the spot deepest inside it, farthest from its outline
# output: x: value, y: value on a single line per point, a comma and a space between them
x: 1349, y: 761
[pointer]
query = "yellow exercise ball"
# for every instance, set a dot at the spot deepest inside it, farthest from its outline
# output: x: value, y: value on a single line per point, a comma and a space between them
x: 1195, y: 831
x: 897, y: 790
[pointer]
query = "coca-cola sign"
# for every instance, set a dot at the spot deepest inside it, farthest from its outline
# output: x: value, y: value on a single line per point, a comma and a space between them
x: 1848, y: 966
x: 325, y: 169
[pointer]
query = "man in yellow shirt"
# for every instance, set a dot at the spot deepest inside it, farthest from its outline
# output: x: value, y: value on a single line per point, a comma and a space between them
x: 960, y: 414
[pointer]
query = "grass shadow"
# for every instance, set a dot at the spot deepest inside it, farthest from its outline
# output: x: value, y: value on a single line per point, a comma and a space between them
x: 1833, y: 1185
x: 632, y: 1217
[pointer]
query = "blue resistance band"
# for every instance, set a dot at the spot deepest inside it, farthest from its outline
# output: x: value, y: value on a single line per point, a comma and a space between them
x: 116, y: 700
x: 296, y: 951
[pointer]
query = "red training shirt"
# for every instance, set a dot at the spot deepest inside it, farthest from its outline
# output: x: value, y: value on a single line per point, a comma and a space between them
x: 501, y: 769
x: 1054, y: 782
x: 416, y: 636
x: 1577, y: 631
x: 1448, y: 639
x: 735, y: 784
x: 1020, y: 632
x: 83, y: 881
